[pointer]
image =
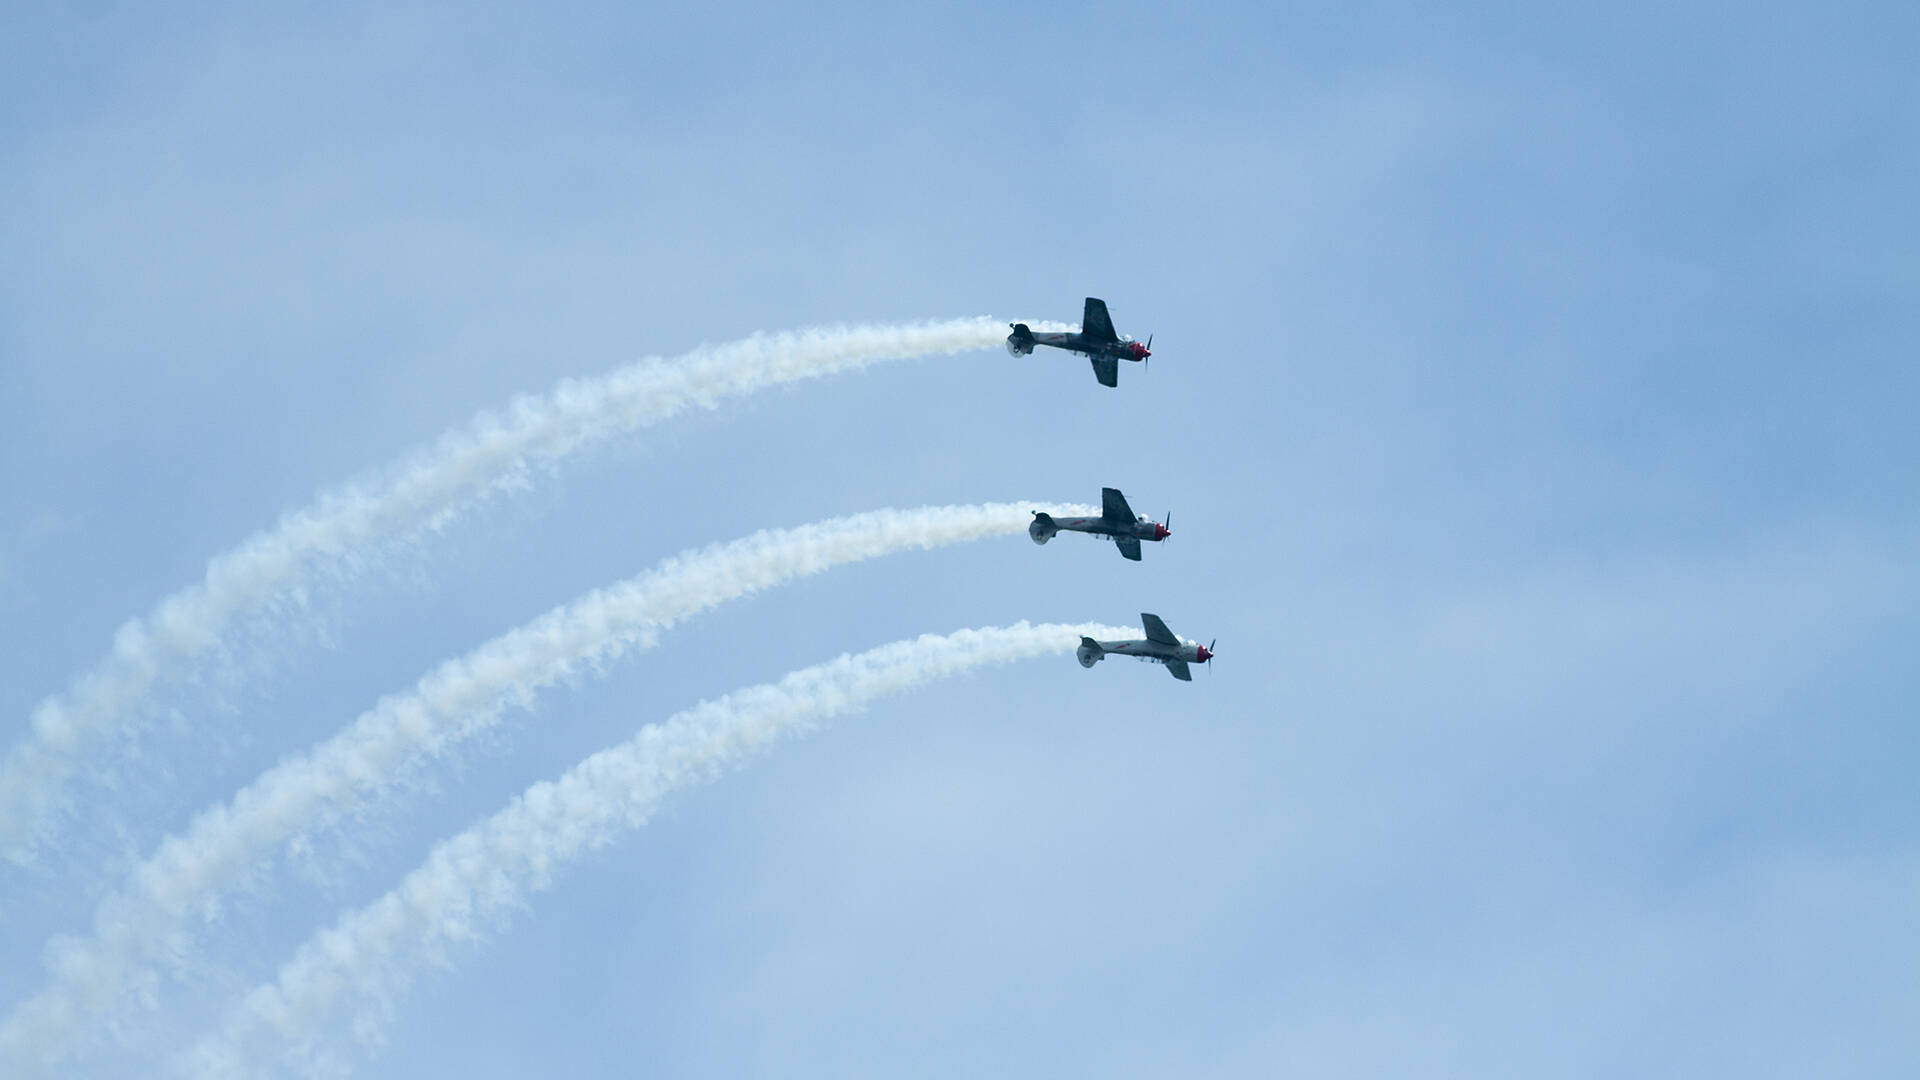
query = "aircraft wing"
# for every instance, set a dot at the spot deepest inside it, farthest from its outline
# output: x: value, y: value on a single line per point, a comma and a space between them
x: 1107, y: 371
x: 1113, y: 506
x: 1129, y: 547
x: 1094, y: 322
x: 1178, y: 669
x: 1157, y: 631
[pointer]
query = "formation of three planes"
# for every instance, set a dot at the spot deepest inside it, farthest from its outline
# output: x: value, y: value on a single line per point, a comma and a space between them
x: 1097, y: 341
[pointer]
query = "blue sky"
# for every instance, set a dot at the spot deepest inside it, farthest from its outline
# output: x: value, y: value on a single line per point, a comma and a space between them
x: 1533, y: 393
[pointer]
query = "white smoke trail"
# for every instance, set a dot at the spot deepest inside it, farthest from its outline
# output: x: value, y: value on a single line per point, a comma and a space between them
x: 91, y: 981
x: 491, y: 452
x: 474, y: 880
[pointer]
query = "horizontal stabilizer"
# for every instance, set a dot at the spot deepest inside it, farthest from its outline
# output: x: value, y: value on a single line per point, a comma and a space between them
x: 1042, y: 527
x: 1020, y: 342
x: 1089, y: 653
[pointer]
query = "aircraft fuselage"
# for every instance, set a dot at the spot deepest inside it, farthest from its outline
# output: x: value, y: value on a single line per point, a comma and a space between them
x: 1079, y: 343
x: 1160, y: 646
x: 1152, y: 650
x: 1139, y: 529
x: 1095, y: 340
x: 1117, y: 522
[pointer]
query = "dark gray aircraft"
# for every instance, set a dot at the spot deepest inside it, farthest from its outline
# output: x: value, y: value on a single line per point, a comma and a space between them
x: 1116, y: 520
x: 1161, y: 647
x: 1096, y: 340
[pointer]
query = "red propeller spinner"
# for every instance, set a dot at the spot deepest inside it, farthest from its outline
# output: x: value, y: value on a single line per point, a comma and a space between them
x: 1202, y: 653
x: 1140, y: 351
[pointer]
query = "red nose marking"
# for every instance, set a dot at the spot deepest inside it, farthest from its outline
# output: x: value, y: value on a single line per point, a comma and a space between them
x: 1160, y: 532
x: 1139, y: 351
x: 1201, y: 655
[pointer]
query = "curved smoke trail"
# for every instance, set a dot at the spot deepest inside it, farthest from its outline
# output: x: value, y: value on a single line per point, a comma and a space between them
x: 467, y: 464
x: 91, y: 981
x: 476, y: 879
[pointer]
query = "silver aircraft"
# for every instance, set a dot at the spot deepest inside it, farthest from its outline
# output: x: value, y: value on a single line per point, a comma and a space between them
x: 1116, y: 521
x: 1161, y: 647
x: 1095, y: 339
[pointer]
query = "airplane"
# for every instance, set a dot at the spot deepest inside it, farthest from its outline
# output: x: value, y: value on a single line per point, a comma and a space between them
x: 1161, y: 647
x: 1096, y: 340
x: 1116, y: 520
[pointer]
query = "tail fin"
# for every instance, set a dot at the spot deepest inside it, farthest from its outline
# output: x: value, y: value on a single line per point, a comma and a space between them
x: 1020, y: 342
x: 1089, y: 653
